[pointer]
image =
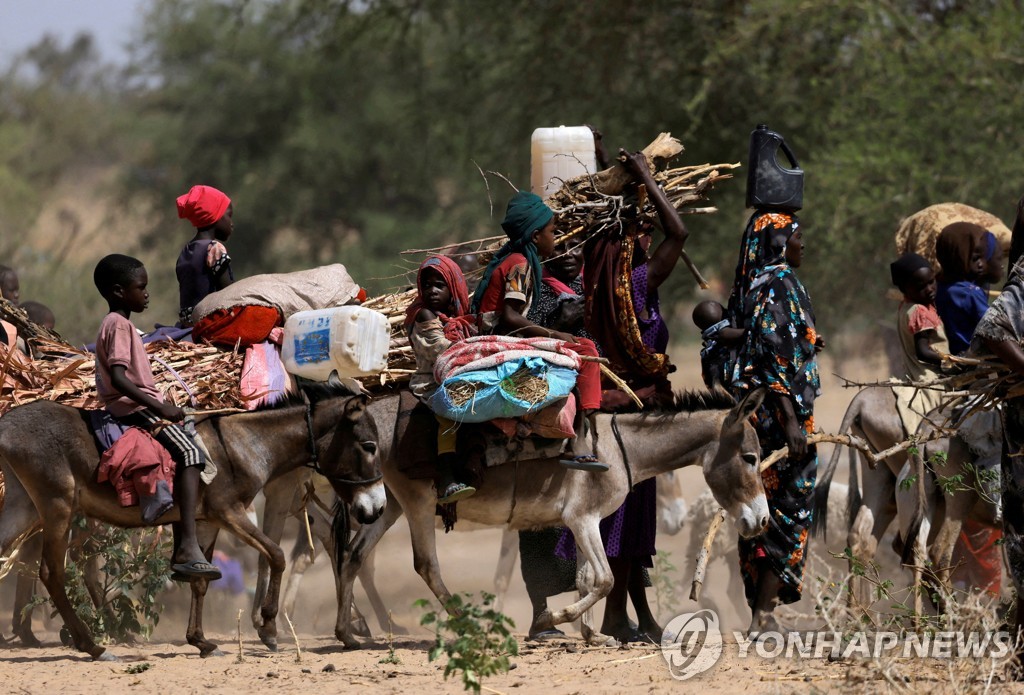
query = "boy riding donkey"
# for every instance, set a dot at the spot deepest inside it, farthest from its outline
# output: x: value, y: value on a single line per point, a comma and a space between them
x: 124, y: 382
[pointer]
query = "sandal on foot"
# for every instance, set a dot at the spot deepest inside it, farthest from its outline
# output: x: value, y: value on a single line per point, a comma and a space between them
x: 544, y: 635
x: 584, y: 462
x: 456, y: 492
x: 197, y: 569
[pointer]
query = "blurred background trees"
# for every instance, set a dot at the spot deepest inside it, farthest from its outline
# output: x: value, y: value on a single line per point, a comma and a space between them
x: 348, y: 131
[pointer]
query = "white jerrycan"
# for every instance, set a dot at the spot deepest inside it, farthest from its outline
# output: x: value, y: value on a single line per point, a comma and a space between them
x: 349, y: 339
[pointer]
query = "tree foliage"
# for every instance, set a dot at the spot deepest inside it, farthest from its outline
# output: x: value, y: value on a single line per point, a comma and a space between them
x: 350, y: 130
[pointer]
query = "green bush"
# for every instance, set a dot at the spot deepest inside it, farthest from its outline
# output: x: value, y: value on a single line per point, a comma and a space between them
x: 476, y: 639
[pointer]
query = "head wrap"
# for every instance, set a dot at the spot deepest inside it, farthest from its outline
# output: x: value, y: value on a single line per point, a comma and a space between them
x: 956, y: 244
x: 202, y: 206
x: 905, y: 266
x: 526, y: 213
x: 763, y: 245
x: 458, y: 324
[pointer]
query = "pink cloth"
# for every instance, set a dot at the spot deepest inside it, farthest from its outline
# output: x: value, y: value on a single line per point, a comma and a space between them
x: 488, y: 351
x: 203, y: 206
x: 118, y: 343
x: 557, y: 286
x: 552, y: 422
x: 134, y: 465
x: 264, y: 379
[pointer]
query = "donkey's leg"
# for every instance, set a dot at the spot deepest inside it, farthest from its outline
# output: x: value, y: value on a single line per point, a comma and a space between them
x: 958, y: 505
x: 299, y: 561
x: 25, y: 589
x: 237, y: 521
x: 279, y: 498
x: 367, y: 579
x: 51, y: 572
x: 424, y: 547
x: 360, y: 548
x: 589, y: 550
x: 506, y: 566
x: 207, y: 536
x: 877, y: 511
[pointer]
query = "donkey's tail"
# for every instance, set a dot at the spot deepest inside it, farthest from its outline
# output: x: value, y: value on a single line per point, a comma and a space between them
x: 819, y: 523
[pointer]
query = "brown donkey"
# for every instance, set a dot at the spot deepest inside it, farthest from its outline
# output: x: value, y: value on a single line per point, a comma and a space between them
x: 709, y: 430
x: 49, y: 459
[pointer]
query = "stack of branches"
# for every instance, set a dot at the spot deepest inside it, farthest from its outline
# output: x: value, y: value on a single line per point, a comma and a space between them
x: 584, y: 206
x: 65, y: 374
x: 27, y: 329
x: 973, y: 384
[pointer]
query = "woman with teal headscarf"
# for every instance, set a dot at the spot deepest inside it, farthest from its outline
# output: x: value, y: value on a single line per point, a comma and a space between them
x: 505, y: 293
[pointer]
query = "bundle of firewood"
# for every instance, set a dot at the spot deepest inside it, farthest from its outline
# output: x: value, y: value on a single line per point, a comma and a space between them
x: 588, y: 205
x: 584, y: 206
x: 62, y: 373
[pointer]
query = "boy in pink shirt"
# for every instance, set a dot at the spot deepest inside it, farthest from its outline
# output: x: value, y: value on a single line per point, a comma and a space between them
x: 124, y: 382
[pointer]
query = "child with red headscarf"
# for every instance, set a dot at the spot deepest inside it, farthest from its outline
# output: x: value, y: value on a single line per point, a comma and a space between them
x: 437, y: 318
x: 204, y: 265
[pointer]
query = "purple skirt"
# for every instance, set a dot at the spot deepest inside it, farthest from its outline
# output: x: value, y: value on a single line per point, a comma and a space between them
x: 629, y: 532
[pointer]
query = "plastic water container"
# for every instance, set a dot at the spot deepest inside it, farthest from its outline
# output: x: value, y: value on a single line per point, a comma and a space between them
x: 350, y: 339
x: 769, y: 183
x: 559, y: 154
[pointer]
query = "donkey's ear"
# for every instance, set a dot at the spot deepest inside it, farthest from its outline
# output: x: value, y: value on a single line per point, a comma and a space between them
x: 355, y: 408
x: 746, y: 407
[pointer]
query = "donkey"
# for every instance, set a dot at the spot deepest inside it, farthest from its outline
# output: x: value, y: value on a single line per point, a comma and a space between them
x: 49, y: 458
x: 931, y: 515
x: 284, y: 497
x: 711, y: 430
x: 872, y: 416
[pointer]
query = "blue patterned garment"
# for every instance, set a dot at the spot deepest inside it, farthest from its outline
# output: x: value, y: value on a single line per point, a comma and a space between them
x: 779, y: 353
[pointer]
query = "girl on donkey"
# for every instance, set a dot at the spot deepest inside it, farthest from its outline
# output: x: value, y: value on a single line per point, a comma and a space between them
x: 437, y: 318
x: 204, y: 265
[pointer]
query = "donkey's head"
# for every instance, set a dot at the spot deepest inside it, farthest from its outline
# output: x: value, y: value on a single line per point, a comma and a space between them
x: 351, y: 464
x: 731, y: 468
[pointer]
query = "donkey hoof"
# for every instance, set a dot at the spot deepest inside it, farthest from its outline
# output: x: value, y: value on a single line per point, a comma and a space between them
x: 349, y: 642
x: 104, y: 655
x: 270, y: 641
x: 29, y: 640
x: 210, y: 650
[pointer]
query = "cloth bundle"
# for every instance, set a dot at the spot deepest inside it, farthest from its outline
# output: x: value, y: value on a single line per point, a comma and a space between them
x: 247, y: 310
x: 490, y: 377
x: 488, y: 351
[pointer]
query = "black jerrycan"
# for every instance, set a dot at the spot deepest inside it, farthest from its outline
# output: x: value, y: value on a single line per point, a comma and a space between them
x: 769, y: 184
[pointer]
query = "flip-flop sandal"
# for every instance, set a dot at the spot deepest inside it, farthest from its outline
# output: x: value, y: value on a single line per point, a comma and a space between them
x: 456, y: 492
x: 584, y: 462
x: 545, y: 635
x: 197, y: 570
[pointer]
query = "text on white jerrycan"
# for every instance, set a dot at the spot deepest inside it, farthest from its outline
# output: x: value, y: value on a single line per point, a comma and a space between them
x: 350, y: 339
x: 559, y: 154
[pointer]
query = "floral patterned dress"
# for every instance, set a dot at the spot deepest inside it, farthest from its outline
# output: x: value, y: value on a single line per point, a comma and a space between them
x: 779, y: 353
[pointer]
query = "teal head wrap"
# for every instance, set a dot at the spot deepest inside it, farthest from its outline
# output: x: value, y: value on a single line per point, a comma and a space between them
x: 526, y: 213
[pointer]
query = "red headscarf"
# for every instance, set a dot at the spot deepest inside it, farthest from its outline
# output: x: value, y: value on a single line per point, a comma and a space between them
x: 202, y: 206
x: 460, y: 324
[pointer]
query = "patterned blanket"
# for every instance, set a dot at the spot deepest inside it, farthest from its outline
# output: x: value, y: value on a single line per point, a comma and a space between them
x: 489, y: 351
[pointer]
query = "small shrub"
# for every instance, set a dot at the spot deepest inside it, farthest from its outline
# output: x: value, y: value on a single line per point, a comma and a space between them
x: 476, y: 638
